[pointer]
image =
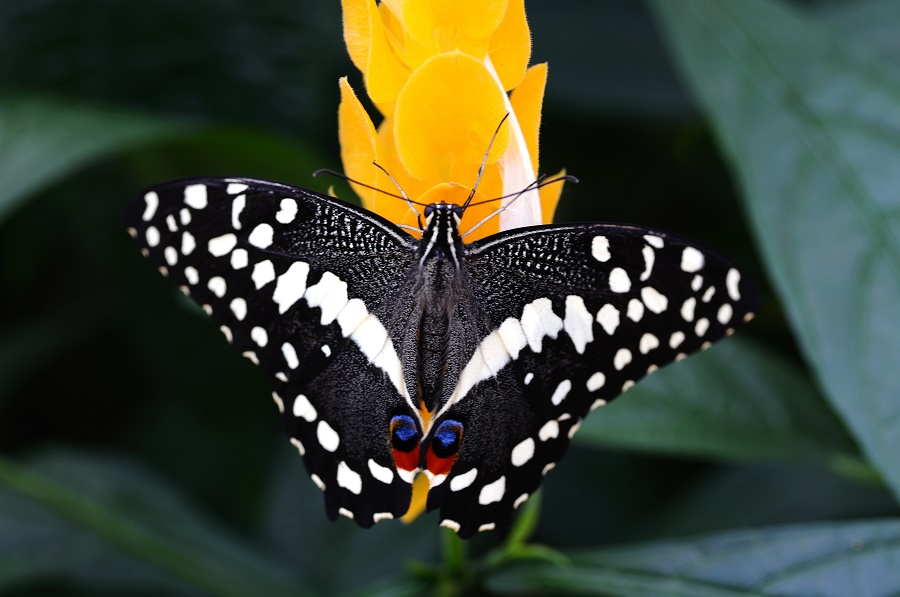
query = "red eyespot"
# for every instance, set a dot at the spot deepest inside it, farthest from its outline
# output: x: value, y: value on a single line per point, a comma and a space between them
x: 445, y: 444
x: 405, y: 442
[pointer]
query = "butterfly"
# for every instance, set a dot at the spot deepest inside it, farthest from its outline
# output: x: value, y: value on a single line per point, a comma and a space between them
x: 391, y: 356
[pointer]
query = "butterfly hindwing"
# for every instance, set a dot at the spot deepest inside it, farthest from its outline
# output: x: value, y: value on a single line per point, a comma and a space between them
x: 576, y: 314
x: 311, y: 289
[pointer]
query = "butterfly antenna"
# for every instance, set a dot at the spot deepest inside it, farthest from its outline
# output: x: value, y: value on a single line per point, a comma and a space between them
x: 537, y: 184
x: 406, y: 198
x: 336, y: 174
x: 484, y: 162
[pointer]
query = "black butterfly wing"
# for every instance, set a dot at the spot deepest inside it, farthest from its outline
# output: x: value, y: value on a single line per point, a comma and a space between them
x: 309, y: 288
x: 578, y: 314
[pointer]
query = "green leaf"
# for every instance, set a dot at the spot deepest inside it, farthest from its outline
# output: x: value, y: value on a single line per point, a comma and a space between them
x: 809, y: 122
x: 872, y: 22
x: 764, y: 495
x: 836, y: 559
x: 339, y: 557
x: 42, y: 140
x: 736, y: 400
x: 66, y: 511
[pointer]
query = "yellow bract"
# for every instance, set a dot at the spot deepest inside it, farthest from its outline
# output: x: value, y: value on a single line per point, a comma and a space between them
x: 439, y: 72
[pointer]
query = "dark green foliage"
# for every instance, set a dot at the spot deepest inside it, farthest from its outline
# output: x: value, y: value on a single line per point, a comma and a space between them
x: 141, y: 456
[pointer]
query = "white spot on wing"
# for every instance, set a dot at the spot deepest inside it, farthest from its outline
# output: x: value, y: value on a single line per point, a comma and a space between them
x: 239, y: 258
x: 648, y: 343
x: 732, y: 281
x: 539, y: 320
x: 600, y: 248
x: 222, y: 245
x: 287, y: 211
x: 619, y: 280
x: 702, y: 326
x: 291, y: 285
x: 549, y: 430
x: 348, y: 479
x: 152, y: 236
x: 328, y: 437
x: 171, y: 224
x: 697, y: 283
x: 578, y: 323
x: 298, y: 444
x: 608, y: 318
x: 171, y: 255
x: 382, y: 473
x: 676, y: 339
x: 195, y: 195
x: 263, y: 273
x: 226, y: 331
x: 329, y: 294
x: 622, y: 358
x: 237, y: 206
x: 561, y: 391
x: 488, y: 526
x: 191, y: 274
x: 290, y: 355
x: 188, y: 244
x: 185, y: 216
x: 635, y: 310
x: 239, y: 308
x: 217, y: 286
x: 687, y: 309
x: 654, y: 241
x: 523, y: 452
x: 460, y: 482
x: 234, y: 188
x: 450, y: 524
x: 317, y: 481
x: 707, y: 296
x: 151, y: 200
x: 492, y: 492
x: 260, y: 336
x: 596, y: 381
x: 379, y: 516
x: 655, y: 301
x: 493, y: 352
x: 326, y: 350
x: 279, y: 403
x: 725, y: 313
x: 520, y: 500
x: 691, y: 260
x: 649, y: 258
x: 373, y: 341
x: 513, y: 337
x: 262, y: 236
x: 528, y: 377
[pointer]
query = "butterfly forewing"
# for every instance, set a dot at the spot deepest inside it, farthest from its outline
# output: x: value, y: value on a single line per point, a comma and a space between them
x: 306, y: 287
x: 577, y: 314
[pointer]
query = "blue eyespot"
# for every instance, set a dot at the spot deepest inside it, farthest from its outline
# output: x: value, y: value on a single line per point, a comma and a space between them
x: 447, y: 438
x: 404, y: 435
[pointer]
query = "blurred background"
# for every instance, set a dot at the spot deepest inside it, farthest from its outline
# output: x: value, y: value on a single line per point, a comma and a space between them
x: 140, y: 454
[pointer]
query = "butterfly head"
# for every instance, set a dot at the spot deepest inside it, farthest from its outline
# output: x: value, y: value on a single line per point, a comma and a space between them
x: 440, y: 238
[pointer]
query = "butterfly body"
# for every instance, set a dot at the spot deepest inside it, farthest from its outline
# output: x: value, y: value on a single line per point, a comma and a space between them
x: 391, y: 356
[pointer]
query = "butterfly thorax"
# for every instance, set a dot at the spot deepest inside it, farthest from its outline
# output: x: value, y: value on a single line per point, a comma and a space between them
x: 439, y: 278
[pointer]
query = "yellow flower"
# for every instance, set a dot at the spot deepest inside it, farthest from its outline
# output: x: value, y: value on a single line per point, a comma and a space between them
x: 439, y: 72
